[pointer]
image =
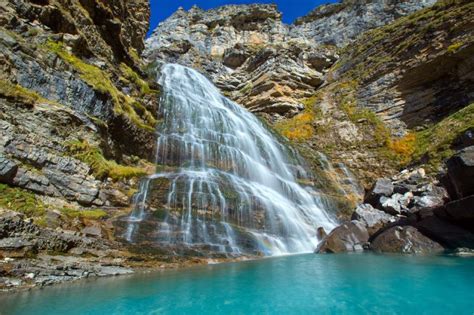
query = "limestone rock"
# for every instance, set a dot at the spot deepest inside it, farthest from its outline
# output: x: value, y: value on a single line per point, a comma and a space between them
x: 383, y: 187
x: 348, y: 237
x: 373, y: 219
x: 340, y: 23
x: 405, y: 240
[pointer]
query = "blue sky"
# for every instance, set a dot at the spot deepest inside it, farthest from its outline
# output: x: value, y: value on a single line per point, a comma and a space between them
x: 161, y: 9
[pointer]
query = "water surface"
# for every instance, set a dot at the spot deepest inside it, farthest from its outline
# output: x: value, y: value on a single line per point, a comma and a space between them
x: 304, y: 284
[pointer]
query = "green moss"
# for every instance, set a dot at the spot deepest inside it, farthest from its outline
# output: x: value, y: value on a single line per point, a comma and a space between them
x: 100, y: 166
x: 21, y: 200
x: 22, y: 94
x: 132, y: 76
x: 134, y: 55
x: 435, y: 142
x: 454, y: 47
x: 377, y: 49
x: 93, y: 214
x: 247, y: 88
x: 100, y: 81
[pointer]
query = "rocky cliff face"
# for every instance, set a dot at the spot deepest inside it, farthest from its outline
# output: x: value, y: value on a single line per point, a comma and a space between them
x: 72, y: 82
x: 354, y: 80
x: 259, y: 61
x: 341, y: 23
x: 77, y: 116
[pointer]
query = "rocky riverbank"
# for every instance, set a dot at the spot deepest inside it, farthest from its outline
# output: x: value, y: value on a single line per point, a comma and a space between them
x: 32, y: 256
x: 412, y: 213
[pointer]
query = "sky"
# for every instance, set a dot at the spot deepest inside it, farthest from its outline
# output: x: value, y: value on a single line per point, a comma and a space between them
x: 161, y: 9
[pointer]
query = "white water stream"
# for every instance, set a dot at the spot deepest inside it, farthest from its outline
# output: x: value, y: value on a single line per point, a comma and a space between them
x: 232, y: 186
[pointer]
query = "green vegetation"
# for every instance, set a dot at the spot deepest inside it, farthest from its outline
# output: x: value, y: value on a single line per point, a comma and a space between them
x: 382, y: 47
x: 132, y: 76
x: 454, y: 47
x: 19, y: 93
x: 101, y: 82
x: 20, y: 200
x: 300, y: 127
x: 92, y: 214
x: 247, y: 88
x: 134, y: 55
x: 435, y: 142
x: 100, y: 166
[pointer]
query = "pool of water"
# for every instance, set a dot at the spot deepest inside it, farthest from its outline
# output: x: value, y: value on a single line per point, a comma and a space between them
x: 304, y: 284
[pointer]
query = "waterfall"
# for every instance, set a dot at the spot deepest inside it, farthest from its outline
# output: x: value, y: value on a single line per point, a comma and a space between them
x: 225, y: 183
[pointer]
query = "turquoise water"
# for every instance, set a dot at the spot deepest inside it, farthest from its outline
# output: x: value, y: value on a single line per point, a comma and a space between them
x: 306, y: 284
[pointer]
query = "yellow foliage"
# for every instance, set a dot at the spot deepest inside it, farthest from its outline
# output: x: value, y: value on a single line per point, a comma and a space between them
x: 404, y: 147
x: 298, y: 128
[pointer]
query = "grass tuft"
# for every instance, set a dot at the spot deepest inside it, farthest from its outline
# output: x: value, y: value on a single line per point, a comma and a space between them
x: 100, y: 166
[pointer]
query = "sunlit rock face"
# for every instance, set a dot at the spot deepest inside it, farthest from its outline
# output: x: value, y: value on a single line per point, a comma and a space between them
x: 340, y: 23
x: 226, y: 184
x: 259, y: 61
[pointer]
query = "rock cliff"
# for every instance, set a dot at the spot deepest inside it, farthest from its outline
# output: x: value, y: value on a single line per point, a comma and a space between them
x: 77, y: 116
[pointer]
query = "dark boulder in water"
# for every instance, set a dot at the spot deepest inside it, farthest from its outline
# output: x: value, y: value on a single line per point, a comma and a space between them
x: 349, y: 237
x: 406, y: 240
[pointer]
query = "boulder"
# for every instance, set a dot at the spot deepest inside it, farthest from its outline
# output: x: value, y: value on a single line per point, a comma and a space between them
x: 461, y: 172
x: 446, y: 233
x: 348, y: 237
x: 321, y: 233
x: 405, y: 240
x: 372, y: 218
x: 383, y: 187
x: 462, y: 209
x: 391, y: 205
x: 428, y: 202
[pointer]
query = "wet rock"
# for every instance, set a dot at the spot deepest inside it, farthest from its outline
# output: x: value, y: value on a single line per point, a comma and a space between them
x: 383, y: 187
x: 113, y: 271
x: 463, y: 252
x: 405, y: 240
x: 373, y: 219
x: 461, y: 172
x: 321, y: 233
x: 348, y: 237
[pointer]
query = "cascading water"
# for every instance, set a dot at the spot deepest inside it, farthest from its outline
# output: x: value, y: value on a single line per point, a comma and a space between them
x: 226, y: 184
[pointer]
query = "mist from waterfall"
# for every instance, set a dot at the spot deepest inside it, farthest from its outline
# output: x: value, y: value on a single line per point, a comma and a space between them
x: 230, y: 185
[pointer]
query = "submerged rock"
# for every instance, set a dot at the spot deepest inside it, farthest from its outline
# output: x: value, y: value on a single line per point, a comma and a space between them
x: 405, y: 240
x: 349, y: 237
